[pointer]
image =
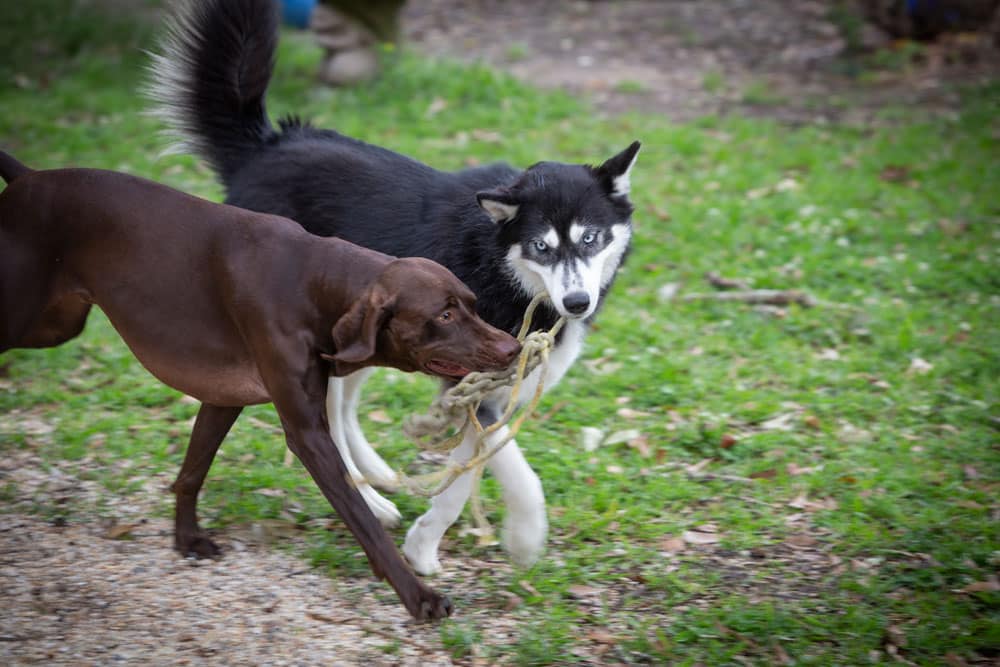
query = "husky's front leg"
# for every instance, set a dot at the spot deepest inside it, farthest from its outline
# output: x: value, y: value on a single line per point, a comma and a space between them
x: 383, y: 508
x: 424, y: 536
x: 372, y: 466
x: 525, y: 526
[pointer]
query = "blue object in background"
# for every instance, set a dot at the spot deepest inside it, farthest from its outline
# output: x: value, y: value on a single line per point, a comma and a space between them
x: 296, y: 13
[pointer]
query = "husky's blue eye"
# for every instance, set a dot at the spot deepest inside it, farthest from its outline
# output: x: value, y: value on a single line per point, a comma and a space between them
x: 541, y: 246
x: 589, y: 238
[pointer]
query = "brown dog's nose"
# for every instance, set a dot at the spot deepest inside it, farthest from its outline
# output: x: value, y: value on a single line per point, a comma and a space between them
x: 508, y: 349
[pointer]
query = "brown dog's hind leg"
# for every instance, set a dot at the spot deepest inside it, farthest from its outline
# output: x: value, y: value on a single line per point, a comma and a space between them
x: 210, y: 429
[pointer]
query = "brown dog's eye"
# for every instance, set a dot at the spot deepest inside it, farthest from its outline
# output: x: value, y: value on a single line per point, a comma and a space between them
x: 445, y: 317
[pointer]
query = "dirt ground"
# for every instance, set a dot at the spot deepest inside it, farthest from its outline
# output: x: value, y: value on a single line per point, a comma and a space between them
x: 690, y: 58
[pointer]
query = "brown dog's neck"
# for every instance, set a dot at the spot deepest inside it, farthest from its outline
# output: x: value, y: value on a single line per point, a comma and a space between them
x: 341, y: 272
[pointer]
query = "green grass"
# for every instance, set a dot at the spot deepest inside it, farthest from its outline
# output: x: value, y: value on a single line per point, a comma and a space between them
x: 901, y: 466
x: 630, y: 87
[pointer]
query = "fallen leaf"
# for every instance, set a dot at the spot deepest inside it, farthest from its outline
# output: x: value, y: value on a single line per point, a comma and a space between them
x: 581, y: 591
x: 661, y: 214
x: 323, y: 618
x: 488, y: 136
x: 668, y: 291
x: 801, y: 541
x: 526, y: 585
x: 629, y: 413
x: 894, y: 635
x: 379, y: 417
x: 590, y: 438
x: 851, y: 434
x: 120, y: 530
x: 698, y: 537
x: 954, y: 660
x: 602, y: 366
x: 672, y: 544
x: 786, y: 185
x: 782, y: 422
x: 803, y: 503
x: 619, y: 437
x: 728, y: 440
x: 696, y: 468
x: 513, y: 600
x: 991, y: 585
x: 781, y: 656
x: 812, y: 421
x: 270, y: 493
x: 436, y: 106
x: 892, y: 173
x: 641, y: 445
x: 919, y: 366
x: 615, y: 470
x: 602, y: 637
x: 970, y: 472
x: 770, y: 473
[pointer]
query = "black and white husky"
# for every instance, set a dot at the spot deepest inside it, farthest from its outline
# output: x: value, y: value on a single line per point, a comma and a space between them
x: 507, y: 233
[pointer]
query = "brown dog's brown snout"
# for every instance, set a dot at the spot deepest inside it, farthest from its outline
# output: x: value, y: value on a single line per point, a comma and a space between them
x: 507, y: 349
x: 498, y: 348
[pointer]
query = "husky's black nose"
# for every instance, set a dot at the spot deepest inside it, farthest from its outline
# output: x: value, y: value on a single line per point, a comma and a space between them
x: 576, y: 302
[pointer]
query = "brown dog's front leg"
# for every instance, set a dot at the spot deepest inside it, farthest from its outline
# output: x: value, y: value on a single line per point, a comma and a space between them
x: 300, y: 405
x: 210, y: 429
x: 321, y: 458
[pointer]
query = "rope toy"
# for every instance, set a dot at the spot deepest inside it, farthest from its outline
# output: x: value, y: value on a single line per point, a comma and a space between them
x: 453, y: 413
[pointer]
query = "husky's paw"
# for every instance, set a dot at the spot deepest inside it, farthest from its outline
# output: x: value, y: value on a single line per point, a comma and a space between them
x: 523, y: 537
x: 384, y: 510
x: 420, y: 552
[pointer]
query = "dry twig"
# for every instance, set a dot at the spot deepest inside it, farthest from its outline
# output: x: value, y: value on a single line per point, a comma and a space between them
x: 718, y: 282
x: 770, y: 297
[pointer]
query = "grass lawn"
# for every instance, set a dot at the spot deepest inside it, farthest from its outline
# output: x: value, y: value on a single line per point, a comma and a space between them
x: 815, y: 485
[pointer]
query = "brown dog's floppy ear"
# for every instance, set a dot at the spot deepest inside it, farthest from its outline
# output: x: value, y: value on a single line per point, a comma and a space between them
x: 356, y: 332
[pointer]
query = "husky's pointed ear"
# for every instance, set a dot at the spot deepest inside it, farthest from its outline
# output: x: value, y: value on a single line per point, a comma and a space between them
x: 356, y: 332
x: 614, y: 174
x: 500, y: 205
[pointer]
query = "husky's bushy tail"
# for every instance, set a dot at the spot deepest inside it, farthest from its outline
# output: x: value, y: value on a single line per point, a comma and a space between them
x: 209, y: 79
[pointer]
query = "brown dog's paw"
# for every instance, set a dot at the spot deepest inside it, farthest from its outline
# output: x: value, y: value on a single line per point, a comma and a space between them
x: 198, y: 546
x: 433, y: 606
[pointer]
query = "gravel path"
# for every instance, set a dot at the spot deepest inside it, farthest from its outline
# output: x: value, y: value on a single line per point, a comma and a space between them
x: 92, y: 591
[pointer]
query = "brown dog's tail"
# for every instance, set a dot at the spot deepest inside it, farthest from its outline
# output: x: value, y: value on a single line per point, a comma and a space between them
x: 11, y: 169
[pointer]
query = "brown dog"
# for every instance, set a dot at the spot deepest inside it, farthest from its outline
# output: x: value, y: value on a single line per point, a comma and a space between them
x: 234, y: 308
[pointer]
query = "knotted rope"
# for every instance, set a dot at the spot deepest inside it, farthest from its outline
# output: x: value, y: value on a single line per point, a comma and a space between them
x: 453, y: 414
